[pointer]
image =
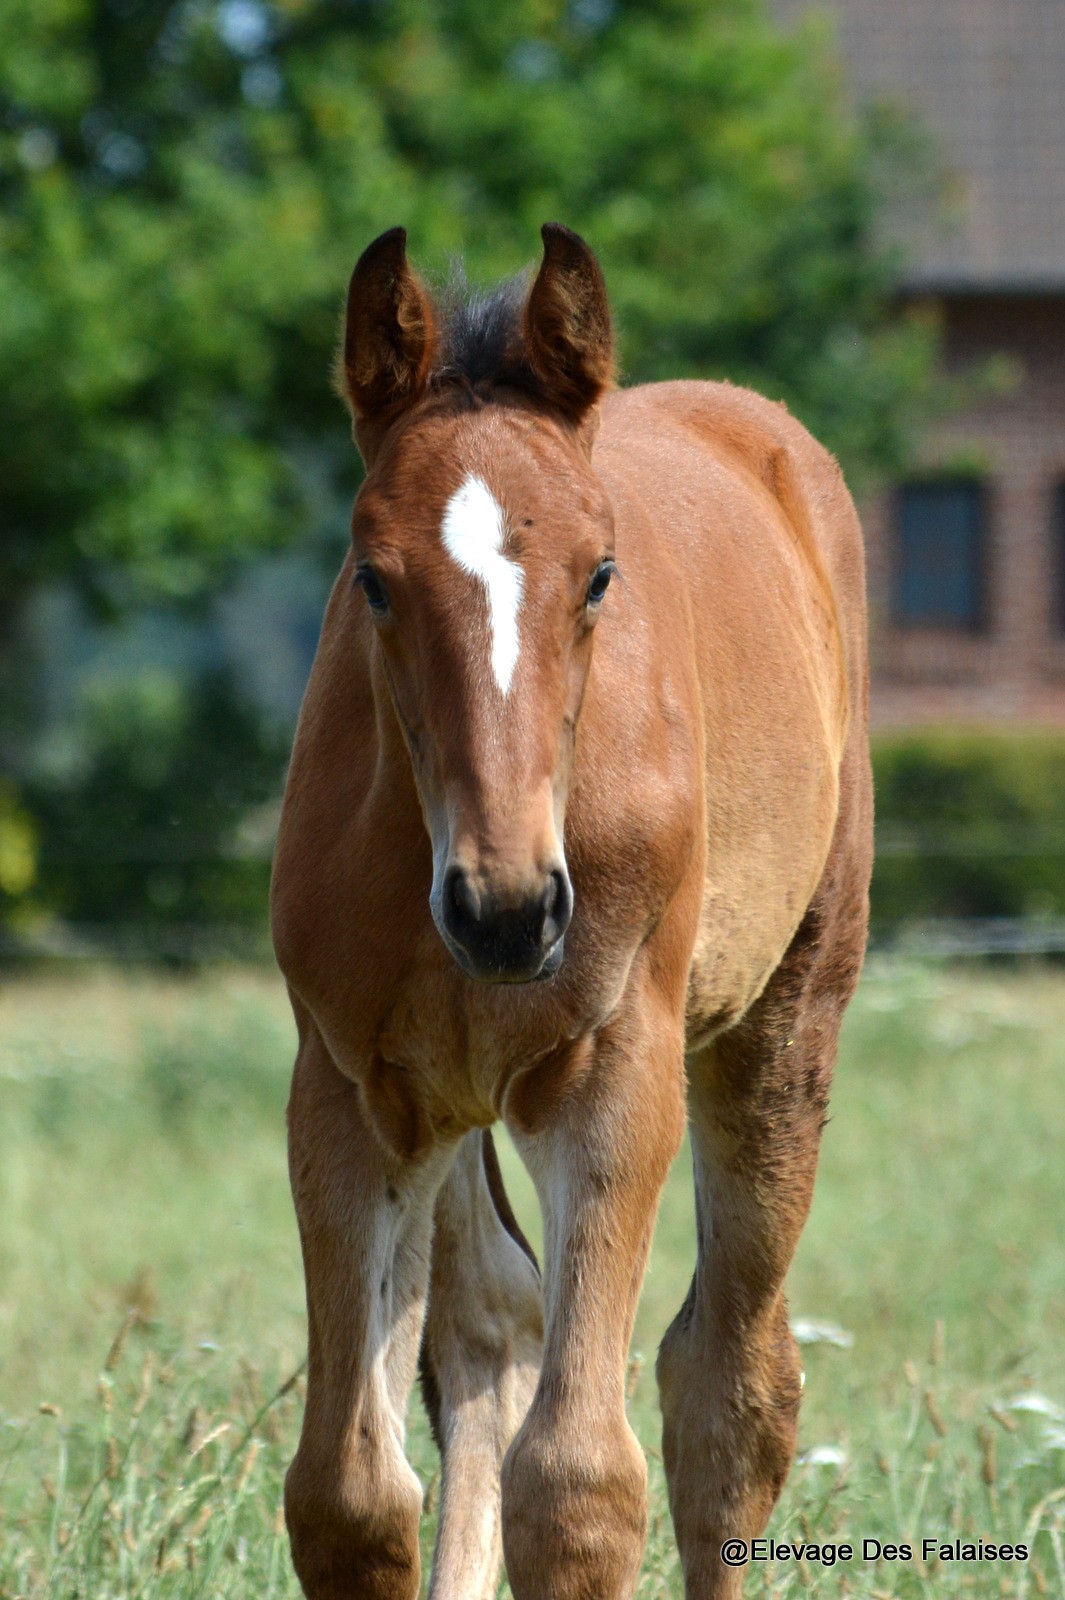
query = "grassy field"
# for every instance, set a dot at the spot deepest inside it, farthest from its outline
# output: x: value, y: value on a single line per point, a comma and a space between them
x: 151, y: 1311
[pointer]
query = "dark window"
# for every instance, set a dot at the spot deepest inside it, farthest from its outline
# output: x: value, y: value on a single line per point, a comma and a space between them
x: 939, y: 566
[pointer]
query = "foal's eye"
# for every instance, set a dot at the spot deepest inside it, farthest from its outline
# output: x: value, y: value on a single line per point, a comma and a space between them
x: 600, y: 582
x: 374, y: 590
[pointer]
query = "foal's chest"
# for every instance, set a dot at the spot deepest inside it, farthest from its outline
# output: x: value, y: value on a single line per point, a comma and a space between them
x: 462, y: 1047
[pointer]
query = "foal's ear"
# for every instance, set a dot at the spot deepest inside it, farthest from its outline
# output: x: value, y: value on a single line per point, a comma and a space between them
x: 389, y: 336
x: 566, y: 328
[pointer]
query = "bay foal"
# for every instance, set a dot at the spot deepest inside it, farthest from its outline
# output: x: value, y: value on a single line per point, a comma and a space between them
x: 577, y: 828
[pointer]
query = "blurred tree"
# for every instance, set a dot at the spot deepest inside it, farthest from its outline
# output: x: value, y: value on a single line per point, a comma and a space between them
x: 143, y: 825
x: 184, y: 185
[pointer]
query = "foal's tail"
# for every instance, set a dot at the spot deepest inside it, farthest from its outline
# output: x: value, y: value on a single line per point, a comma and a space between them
x: 430, y: 1377
x: 500, y: 1198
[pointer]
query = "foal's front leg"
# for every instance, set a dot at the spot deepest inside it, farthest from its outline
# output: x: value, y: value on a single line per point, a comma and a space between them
x: 480, y: 1363
x: 352, y: 1503
x: 575, y: 1480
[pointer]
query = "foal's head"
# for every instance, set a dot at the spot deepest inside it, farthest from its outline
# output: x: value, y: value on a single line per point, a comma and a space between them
x: 483, y: 549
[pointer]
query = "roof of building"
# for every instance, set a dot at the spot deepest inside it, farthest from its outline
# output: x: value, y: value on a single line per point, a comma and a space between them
x: 987, y: 80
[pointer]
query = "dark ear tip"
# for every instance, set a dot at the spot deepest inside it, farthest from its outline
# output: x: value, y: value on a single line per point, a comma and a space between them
x: 390, y: 245
x: 567, y: 252
x: 555, y: 234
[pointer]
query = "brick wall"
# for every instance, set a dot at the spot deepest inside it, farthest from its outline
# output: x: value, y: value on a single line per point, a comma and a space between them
x: 1014, y: 668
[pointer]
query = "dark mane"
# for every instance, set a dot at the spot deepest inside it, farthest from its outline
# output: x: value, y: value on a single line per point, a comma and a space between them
x: 479, y: 330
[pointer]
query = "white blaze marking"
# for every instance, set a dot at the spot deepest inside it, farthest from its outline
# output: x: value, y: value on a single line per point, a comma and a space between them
x: 472, y: 532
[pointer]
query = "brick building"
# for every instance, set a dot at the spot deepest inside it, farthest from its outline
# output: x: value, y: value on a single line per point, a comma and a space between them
x: 967, y: 561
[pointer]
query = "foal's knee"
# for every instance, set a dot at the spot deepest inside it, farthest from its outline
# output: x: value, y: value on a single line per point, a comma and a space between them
x: 574, y: 1514
x: 358, y: 1541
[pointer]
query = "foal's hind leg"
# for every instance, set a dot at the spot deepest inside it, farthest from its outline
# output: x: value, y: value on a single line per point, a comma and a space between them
x: 480, y: 1362
x: 728, y: 1369
x: 352, y: 1503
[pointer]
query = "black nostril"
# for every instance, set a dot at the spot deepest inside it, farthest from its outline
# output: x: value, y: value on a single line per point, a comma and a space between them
x: 462, y: 906
x: 504, y: 936
x: 557, y: 906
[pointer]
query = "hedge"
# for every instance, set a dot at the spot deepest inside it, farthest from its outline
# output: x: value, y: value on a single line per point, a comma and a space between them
x: 968, y: 824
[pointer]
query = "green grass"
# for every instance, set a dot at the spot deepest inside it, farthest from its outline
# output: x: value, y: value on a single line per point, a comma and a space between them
x: 143, y: 1194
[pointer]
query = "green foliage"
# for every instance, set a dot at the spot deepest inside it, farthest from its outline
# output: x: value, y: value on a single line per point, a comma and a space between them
x: 969, y: 824
x: 186, y: 186
x: 141, y: 826
x: 18, y: 847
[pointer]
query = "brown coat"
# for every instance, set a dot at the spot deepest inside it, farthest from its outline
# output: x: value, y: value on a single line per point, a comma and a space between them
x: 659, y: 804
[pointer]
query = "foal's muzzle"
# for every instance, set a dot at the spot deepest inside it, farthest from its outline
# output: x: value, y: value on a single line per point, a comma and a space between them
x: 516, y: 940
